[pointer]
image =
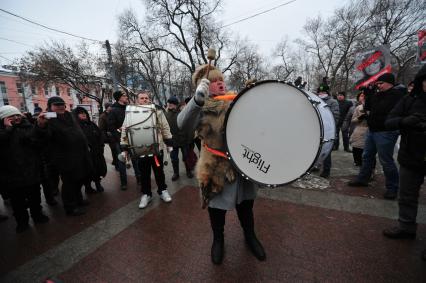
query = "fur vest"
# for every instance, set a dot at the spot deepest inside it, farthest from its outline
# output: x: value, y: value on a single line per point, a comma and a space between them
x: 213, y: 171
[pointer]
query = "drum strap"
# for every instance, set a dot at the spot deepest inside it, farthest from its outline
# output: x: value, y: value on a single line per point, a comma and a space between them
x: 215, y: 151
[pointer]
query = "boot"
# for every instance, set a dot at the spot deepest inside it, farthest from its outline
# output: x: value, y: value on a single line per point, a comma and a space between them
x: 99, y: 187
x: 245, y: 215
x: 175, y: 170
x: 189, y: 172
x: 217, y: 221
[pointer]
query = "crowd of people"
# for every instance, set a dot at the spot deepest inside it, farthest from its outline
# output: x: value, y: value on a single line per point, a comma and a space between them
x: 60, y: 146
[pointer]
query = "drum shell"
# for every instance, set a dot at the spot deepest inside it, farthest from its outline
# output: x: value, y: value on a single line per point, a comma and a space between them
x: 141, y: 129
x: 275, y: 106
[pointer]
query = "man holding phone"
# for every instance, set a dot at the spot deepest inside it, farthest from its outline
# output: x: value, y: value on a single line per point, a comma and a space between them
x: 68, y: 152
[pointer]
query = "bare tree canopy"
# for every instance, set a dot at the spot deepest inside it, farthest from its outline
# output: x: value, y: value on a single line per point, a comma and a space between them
x: 58, y: 63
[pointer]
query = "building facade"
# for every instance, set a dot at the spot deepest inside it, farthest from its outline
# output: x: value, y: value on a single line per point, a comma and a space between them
x: 26, y: 97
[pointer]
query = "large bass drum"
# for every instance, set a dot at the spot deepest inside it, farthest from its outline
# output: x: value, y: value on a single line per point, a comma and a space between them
x: 140, y: 125
x: 275, y: 133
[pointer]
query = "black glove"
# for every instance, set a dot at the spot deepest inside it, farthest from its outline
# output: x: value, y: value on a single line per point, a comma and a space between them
x: 168, y: 142
x: 410, y: 121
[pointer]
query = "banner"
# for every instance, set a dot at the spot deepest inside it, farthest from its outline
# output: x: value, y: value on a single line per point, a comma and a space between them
x: 421, y: 46
x: 371, y: 64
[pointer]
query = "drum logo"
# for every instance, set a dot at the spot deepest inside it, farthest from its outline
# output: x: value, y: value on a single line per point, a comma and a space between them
x: 255, y: 158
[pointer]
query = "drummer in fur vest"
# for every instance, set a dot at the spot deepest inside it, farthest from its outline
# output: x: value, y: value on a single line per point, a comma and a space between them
x: 221, y: 187
x: 145, y: 163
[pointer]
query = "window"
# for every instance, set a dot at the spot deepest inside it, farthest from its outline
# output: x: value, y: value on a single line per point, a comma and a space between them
x: 35, y: 105
x: 33, y: 90
x: 20, y: 89
x: 3, y: 94
x: 22, y: 106
x: 57, y: 90
x: 46, y: 90
x: 69, y: 91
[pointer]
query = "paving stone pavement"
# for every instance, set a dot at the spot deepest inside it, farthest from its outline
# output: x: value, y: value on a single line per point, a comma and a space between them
x: 313, y: 230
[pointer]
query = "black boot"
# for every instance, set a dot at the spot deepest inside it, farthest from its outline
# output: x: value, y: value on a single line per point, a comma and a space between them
x: 175, y: 170
x: 245, y: 215
x: 99, y: 187
x: 217, y: 221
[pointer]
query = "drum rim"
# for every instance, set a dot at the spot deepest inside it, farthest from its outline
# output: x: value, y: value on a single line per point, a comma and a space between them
x: 228, y: 154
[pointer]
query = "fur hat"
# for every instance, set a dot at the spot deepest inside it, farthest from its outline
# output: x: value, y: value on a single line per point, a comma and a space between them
x: 117, y: 94
x: 54, y: 100
x: 173, y: 100
x: 387, y: 78
x: 8, y: 110
x: 201, y: 71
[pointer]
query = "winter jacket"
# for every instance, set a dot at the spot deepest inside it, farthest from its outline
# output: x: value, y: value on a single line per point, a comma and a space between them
x: 180, y: 137
x: 103, y: 126
x: 412, y: 151
x: 359, y: 121
x: 233, y: 193
x: 115, y: 120
x: 96, y: 145
x: 68, y: 150
x: 346, y: 125
x: 20, y: 147
x: 378, y: 106
x: 344, y: 107
x: 334, y: 107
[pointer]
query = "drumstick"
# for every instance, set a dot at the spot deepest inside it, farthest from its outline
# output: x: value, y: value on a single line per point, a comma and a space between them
x: 211, y: 55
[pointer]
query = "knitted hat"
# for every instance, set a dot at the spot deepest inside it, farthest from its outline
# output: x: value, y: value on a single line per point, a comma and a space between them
x: 173, y: 100
x: 117, y: 94
x: 387, y: 78
x: 201, y: 71
x: 55, y: 100
x: 8, y: 110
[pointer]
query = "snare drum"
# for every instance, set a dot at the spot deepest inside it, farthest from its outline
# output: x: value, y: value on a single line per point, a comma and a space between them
x: 275, y: 132
x: 140, y: 125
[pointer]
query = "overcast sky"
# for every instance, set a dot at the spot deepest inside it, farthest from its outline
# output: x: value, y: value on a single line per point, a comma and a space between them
x: 97, y: 19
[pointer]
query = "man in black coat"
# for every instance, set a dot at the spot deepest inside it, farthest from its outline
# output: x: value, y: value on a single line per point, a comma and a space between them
x: 68, y: 152
x: 409, y: 116
x: 115, y: 121
x: 379, y: 139
x: 180, y: 138
x: 344, y: 106
x: 20, y: 144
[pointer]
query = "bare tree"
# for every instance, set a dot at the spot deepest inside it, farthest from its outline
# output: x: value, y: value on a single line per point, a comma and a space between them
x: 249, y: 65
x: 58, y: 63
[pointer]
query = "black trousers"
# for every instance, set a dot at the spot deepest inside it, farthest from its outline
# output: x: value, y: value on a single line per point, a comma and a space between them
x: 71, y: 193
x: 145, y: 164
x: 357, y: 155
x: 345, y: 138
x: 409, y: 186
x: 245, y: 215
x: 23, y: 198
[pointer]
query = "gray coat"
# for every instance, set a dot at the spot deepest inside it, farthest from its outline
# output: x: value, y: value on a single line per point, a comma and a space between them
x: 233, y: 193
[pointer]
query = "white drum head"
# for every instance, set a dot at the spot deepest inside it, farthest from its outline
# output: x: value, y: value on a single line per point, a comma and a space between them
x: 273, y: 133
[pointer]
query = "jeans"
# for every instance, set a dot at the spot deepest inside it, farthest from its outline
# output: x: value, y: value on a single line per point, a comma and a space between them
x: 326, y: 165
x: 174, y: 154
x: 121, y: 165
x: 382, y: 143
